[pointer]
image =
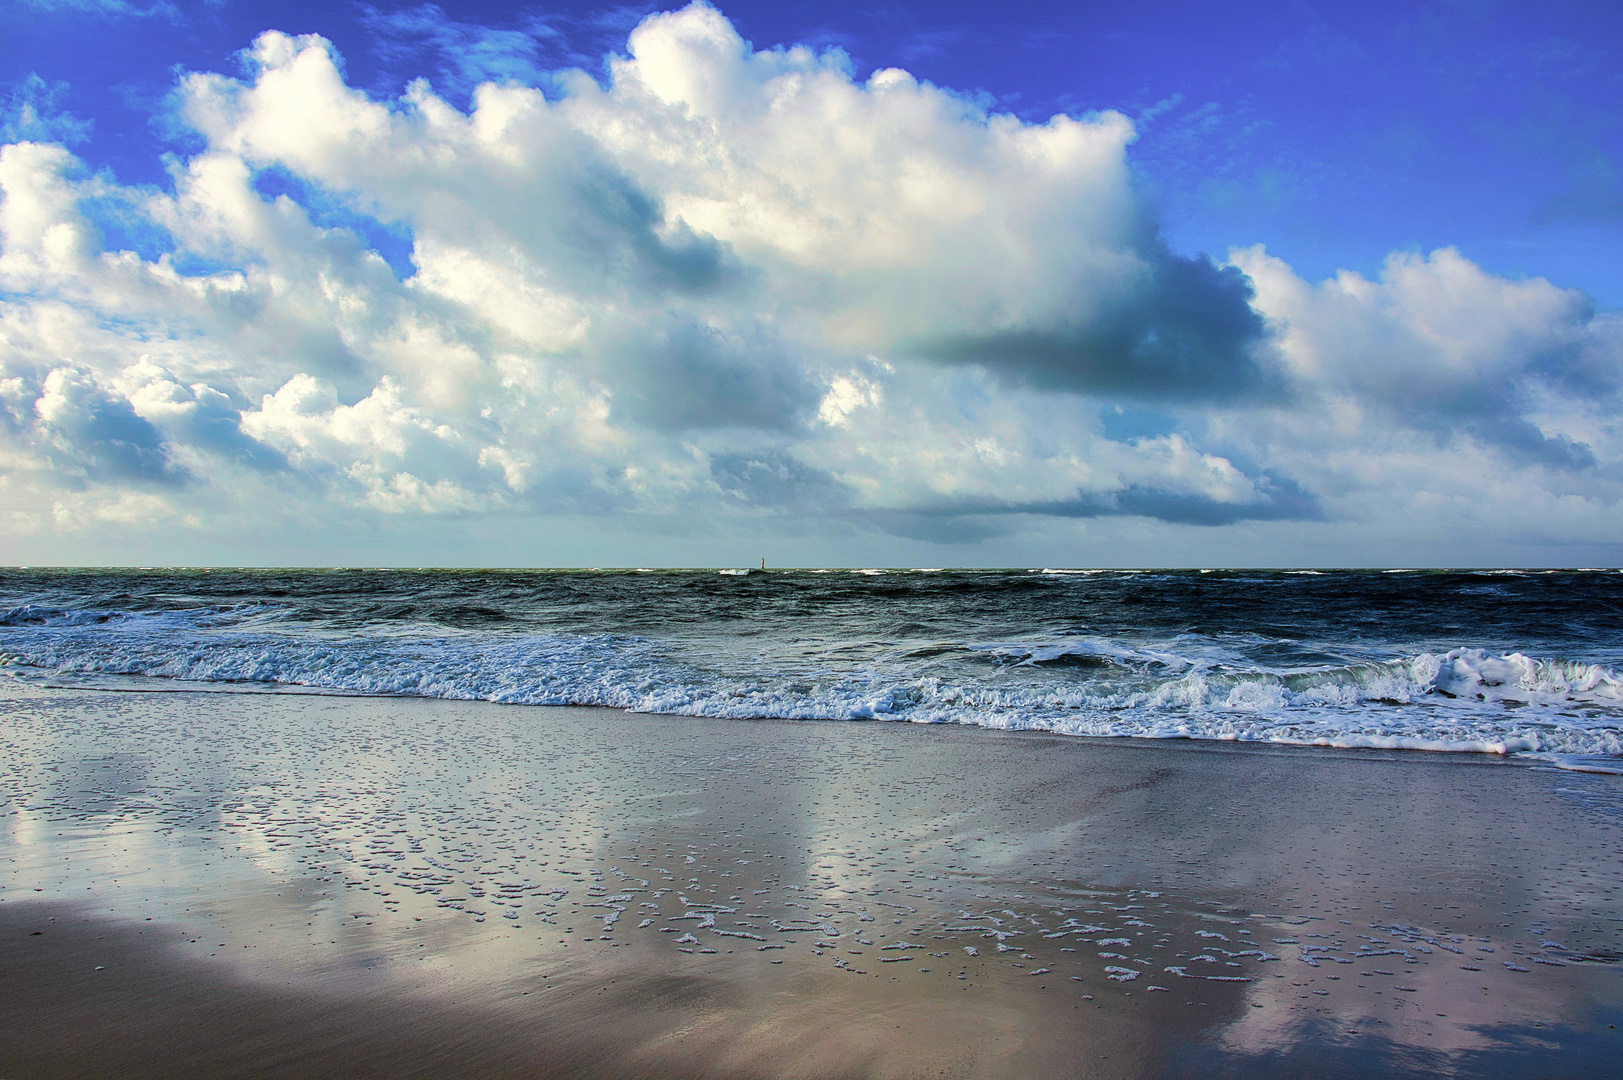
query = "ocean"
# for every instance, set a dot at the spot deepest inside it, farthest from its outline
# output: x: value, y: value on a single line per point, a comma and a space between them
x: 1520, y: 662
x: 345, y: 842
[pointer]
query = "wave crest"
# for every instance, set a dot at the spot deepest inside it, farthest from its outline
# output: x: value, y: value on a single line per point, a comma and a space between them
x: 1464, y: 699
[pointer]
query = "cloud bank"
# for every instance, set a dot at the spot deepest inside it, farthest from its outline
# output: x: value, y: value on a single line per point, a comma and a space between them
x: 727, y: 284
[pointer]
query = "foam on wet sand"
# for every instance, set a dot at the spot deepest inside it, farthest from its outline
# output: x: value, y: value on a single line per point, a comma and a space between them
x: 262, y: 885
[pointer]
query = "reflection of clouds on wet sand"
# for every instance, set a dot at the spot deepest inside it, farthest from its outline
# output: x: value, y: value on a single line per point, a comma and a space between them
x: 1258, y: 900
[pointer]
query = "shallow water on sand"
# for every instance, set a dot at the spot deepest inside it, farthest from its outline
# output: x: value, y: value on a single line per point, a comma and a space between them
x: 658, y: 888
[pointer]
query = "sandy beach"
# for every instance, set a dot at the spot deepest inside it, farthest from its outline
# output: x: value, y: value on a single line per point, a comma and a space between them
x: 292, y: 885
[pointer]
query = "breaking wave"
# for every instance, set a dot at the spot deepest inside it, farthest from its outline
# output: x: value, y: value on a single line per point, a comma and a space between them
x: 1464, y: 699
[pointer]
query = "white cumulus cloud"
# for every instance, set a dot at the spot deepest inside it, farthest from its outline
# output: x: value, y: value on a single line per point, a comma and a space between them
x: 738, y: 285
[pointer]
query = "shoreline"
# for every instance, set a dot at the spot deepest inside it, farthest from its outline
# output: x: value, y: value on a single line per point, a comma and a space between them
x: 1600, y: 764
x: 309, y: 843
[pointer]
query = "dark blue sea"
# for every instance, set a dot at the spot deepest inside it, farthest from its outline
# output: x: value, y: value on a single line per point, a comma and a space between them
x: 1505, y: 661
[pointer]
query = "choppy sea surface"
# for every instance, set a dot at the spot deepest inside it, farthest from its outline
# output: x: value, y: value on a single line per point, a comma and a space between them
x: 1505, y: 661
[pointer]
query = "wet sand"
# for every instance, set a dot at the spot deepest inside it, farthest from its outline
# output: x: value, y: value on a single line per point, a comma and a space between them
x: 277, y: 885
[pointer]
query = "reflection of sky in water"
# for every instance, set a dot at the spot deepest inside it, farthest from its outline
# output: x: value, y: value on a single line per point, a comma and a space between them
x: 352, y: 843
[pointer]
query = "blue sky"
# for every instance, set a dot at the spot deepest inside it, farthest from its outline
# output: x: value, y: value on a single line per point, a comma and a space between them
x: 1146, y: 355
x: 1335, y: 133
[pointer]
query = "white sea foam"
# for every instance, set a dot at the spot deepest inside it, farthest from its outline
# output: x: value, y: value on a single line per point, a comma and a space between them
x: 1568, y: 713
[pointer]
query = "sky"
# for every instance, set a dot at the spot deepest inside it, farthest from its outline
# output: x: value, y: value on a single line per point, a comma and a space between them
x: 1164, y: 284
